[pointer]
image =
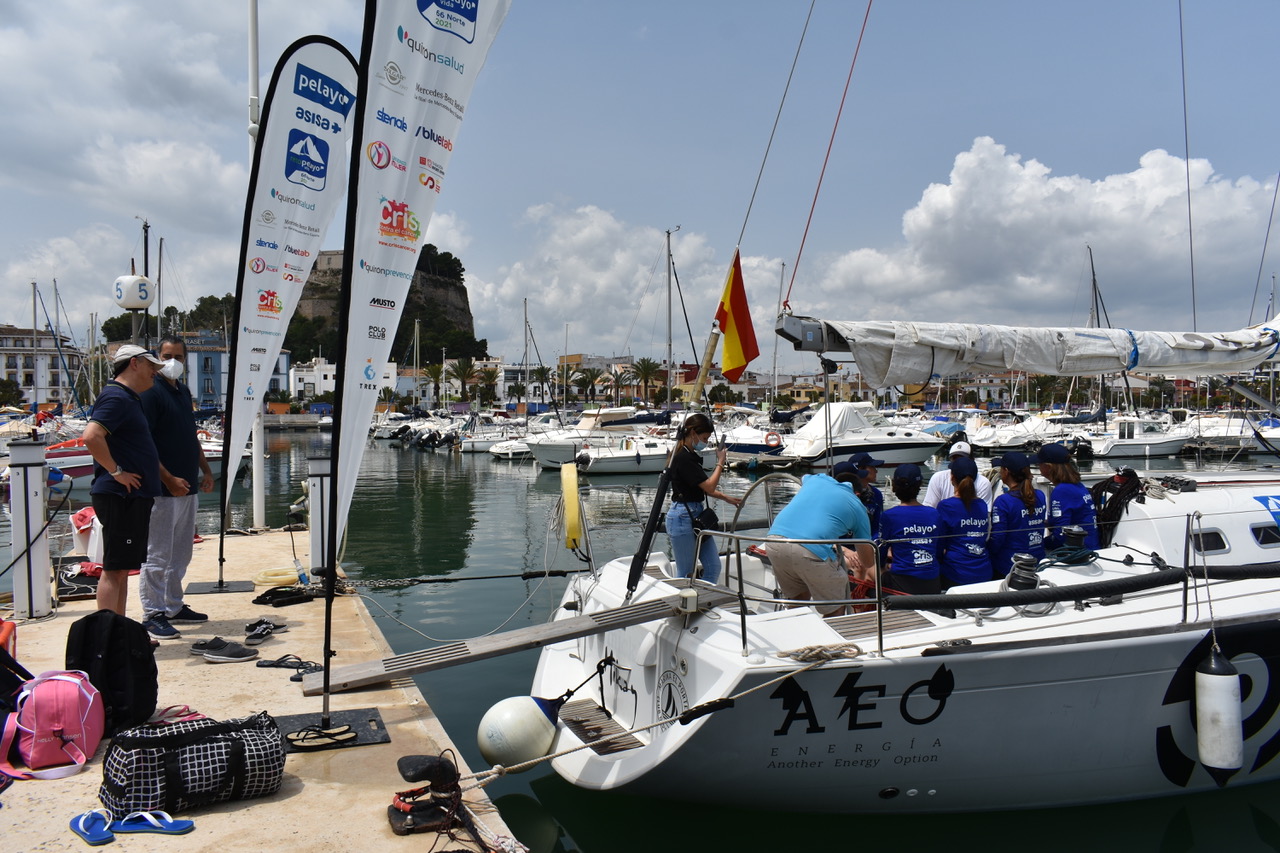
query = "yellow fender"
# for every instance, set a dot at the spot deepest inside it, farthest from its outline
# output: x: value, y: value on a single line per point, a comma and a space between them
x: 572, y: 505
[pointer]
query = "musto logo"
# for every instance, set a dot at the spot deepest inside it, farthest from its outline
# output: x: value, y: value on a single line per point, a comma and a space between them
x: 398, y: 221
x: 269, y: 302
x: 379, y: 154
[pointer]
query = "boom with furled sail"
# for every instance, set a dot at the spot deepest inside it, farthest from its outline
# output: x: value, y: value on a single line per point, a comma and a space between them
x: 894, y: 352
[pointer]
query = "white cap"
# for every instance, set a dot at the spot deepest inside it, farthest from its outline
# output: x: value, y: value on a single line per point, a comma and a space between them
x: 960, y: 447
x: 129, y: 351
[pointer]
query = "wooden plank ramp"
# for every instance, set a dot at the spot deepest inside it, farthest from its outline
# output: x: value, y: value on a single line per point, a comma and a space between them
x: 354, y: 676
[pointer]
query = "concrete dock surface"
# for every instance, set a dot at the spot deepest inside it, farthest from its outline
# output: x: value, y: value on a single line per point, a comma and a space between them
x: 331, y: 799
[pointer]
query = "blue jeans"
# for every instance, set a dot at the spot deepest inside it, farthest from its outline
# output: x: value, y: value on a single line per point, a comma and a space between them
x: 683, y: 541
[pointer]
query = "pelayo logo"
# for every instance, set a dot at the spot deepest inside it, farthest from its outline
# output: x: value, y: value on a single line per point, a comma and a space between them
x: 455, y: 17
x: 323, y: 90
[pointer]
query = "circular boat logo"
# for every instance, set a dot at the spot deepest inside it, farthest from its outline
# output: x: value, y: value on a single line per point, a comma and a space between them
x: 671, y: 699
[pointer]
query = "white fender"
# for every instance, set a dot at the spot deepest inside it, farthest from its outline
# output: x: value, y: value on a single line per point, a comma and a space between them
x: 1219, y: 732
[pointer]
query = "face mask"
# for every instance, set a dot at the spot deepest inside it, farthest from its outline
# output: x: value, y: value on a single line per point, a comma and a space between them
x: 700, y: 446
x: 172, y: 369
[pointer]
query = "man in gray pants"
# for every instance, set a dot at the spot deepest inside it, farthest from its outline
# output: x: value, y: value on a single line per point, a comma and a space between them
x: 173, y: 515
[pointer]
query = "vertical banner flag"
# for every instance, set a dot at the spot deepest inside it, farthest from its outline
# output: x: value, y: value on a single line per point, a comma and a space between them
x: 298, y: 180
x: 418, y: 64
x: 734, y: 318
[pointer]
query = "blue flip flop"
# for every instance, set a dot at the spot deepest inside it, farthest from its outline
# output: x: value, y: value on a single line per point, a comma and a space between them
x: 94, y: 827
x: 157, y: 821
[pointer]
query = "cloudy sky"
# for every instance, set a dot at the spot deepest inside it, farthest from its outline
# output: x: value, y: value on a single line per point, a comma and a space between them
x: 982, y: 147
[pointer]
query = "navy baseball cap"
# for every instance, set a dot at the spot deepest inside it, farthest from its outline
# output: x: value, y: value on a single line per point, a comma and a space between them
x: 964, y: 466
x: 1013, y: 460
x: 864, y: 460
x: 1054, y: 453
x: 909, y: 473
x: 844, y: 467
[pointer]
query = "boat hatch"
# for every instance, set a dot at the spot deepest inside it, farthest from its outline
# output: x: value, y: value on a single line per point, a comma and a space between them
x: 1209, y: 542
x: 861, y: 625
x: 591, y: 724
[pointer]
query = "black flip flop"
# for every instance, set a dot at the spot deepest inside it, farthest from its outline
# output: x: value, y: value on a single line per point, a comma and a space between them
x: 283, y: 662
x: 306, y: 668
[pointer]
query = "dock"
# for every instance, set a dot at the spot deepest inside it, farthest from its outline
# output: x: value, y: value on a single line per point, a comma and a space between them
x: 331, y: 799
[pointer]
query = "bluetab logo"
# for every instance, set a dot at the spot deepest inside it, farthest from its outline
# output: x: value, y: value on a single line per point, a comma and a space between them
x: 323, y: 90
x: 307, y: 160
x: 456, y: 17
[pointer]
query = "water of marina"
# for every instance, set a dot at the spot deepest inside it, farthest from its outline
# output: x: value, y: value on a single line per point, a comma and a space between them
x: 470, y: 525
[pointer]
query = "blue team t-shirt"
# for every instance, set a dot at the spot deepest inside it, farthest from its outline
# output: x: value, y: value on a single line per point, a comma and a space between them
x: 962, y: 541
x: 1071, y: 503
x: 1016, y: 530
x: 917, y: 556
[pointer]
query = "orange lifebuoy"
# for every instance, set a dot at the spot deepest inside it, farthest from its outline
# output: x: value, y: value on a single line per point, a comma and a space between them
x: 772, y: 439
x: 203, y: 435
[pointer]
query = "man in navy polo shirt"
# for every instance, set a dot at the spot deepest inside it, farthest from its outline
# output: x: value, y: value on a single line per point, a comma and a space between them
x: 126, y: 472
x: 183, y: 470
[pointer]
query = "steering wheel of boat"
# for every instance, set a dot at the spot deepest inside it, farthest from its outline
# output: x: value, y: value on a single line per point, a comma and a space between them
x: 768, y: 482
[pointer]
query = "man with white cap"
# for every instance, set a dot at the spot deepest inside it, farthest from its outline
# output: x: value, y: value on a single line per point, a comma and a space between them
x: 940, y: 487
x: 126, y: 474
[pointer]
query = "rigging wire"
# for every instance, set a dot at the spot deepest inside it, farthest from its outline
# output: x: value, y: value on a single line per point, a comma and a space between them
x: 1262, y: 260
x: 1186, y: 145
x: 786, y: 303
x: 776, y: 119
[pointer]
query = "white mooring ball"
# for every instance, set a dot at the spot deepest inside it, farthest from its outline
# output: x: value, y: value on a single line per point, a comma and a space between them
x: 517, y: 729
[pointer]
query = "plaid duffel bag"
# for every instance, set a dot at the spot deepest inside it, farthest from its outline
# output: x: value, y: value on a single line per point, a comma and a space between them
x: 194, y: 763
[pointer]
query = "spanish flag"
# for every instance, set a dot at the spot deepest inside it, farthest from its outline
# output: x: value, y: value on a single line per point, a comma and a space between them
x: 734, y: 318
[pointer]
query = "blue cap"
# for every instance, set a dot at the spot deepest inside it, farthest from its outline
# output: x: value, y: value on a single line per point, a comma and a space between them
x: 864, y: 460
x: 843, y: 467
x: 964, y: 466
x: 1055, y: 454
x: 1012, y: 460
x: 909, y: 473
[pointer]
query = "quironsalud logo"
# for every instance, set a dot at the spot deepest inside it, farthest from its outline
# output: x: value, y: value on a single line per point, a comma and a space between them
x: 369, y: 372
x: 456, y: 17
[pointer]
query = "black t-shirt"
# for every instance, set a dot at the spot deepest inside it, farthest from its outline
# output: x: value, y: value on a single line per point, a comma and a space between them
x: 687, y: 476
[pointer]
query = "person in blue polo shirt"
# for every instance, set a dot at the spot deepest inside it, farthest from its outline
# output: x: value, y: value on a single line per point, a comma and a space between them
x: 909, y: 537
x: 184, y: 472
x: 1069, y: 502
x: 126, y: 471
x: 962, y: 529
x: 1017, y: 516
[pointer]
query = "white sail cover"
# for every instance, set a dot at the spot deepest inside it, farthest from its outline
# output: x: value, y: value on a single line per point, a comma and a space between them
x: 894, y: 353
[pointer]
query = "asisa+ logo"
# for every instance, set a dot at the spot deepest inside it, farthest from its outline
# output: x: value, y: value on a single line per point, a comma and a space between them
x: 379, y: 154
x: 455, y: 17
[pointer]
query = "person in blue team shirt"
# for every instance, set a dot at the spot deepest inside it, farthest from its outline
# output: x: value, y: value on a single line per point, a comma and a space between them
x: 962, y: 529
x: 909, y: 537
x: 1017, y: 516
x: 871, y: 497
x: 1069, y: 502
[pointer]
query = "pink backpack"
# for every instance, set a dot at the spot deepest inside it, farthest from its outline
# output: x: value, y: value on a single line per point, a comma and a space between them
x: 56, y: 728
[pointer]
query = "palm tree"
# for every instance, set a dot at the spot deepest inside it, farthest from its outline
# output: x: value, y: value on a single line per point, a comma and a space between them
x: 435, y: 372
x: 620, y: 377
x: 644, y: 371
x: 388, y: 395
x: 517, y: 390
x: 586, y: 380
x: 488, y: 381
x: 463, y: 371
x: 542, y: 375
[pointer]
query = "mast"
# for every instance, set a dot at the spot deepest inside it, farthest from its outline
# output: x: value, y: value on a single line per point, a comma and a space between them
x: 35, y: 353
x: 781, y: 276
x: 669, y: 317
x: 524, y: 359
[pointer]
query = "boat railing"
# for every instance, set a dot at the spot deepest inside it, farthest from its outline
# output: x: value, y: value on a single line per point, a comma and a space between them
x: 753, y: 592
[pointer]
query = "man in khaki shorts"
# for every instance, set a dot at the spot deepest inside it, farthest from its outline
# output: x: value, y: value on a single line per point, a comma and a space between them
x: 824, y: 508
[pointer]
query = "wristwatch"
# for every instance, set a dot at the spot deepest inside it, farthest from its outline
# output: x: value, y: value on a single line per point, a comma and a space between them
x: 117, y: 472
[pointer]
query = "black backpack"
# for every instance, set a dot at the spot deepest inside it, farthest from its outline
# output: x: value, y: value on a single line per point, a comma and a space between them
x: 117, y: 655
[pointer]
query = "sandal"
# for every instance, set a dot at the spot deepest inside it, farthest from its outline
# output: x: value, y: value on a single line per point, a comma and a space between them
x: 154, y: 821
x: 93, y: 827
x: 306, y: 668
x: 283, y: 662
x: 316, y: 738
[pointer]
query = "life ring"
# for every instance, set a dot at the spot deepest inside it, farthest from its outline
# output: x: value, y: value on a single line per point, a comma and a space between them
x: 203, y: 435
x: 772, y: 439
x: 572, y: 505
